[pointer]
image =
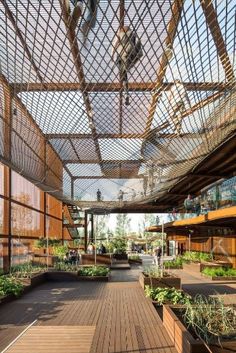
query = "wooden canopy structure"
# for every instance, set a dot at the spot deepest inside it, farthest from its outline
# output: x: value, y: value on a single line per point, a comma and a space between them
x: 64, y: 123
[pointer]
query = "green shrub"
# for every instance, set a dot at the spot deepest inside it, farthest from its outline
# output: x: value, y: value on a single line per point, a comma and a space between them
x: 195, y: 256
x: 177, y: 263
x: 167, y: 295
x: 62, y: 266
x: 42, y: 242
x: 154, y: 272
x: 10, y: 285
x: 210, y: 319
x: 134, y: 257
x: 93, y: 271
x: 219, y: 272
x: 26, y: 270
x: 60, y: 251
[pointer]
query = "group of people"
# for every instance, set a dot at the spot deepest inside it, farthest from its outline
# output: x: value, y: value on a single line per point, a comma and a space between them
x: 120, y: 195
x: 101, y: 249
x: 72, y: 257
x: 192, y: 205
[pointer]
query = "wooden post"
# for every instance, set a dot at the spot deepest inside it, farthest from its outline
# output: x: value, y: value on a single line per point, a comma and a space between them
x: 9, y: 222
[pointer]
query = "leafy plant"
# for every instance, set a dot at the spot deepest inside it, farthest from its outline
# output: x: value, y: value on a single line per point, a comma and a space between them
x: 195, y: 256
x: 42, y: 242
x: 219, y: 271
x: 26, y: 270
x: 177, y: 263
x: 134, y: 257
x: 10, y: 285
x: 154, y: 271
x: 210, y: 318
x: 167, y: 295
x: 93, y: 271
x: 60, y: 251
x: 119, y: 245
x: 62, y: 266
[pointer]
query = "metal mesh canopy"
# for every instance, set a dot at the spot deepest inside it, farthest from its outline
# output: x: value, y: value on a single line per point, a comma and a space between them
x: 64, y: 123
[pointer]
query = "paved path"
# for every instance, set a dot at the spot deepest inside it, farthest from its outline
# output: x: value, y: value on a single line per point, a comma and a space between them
x: 193, y: 283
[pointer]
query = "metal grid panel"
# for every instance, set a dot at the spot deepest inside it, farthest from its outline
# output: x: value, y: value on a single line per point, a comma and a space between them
x: 85, y: 148
x: 120, y: 149
x: 64, y: 149
x: 85, y: 170
x: 87, y: 189
x: 168, y: 141
x: 57, y: 112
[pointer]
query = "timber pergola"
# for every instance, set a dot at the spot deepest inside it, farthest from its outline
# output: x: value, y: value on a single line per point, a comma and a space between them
x: 64, y: 123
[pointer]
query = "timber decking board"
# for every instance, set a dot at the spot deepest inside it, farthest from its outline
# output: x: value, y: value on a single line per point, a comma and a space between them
x: 124, y: 320
x: 58, y: 339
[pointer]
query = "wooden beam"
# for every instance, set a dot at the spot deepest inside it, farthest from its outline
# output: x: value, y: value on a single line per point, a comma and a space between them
x: 115, y: 86
x: 188, y: 135
x: 202, y: 104
x: 95, y: 161
x: 120, y: 176
x: 121, y: 25
x: 74, y: 47
x: 212, y: 22
x: 171, y: 31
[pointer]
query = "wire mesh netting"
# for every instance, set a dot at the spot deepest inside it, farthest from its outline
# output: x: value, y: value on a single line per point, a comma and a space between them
x: 64, y: 119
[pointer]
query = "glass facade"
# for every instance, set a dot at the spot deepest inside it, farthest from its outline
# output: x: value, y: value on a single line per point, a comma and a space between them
x: 26, y: 214
x: 25, y: 192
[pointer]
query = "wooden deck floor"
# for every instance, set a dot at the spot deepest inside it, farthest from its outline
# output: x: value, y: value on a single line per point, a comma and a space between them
x: 117, y: 316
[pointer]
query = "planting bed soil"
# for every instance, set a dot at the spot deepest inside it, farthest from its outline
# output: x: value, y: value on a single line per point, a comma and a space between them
x: 185, y: 340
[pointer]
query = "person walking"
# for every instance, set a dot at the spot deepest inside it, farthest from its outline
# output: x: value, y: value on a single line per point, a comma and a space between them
x: 157, y: 256
x: 99, y: 196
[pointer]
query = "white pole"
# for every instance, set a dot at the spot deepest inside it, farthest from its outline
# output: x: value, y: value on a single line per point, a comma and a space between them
x: 95, y: 240
x: 162, y: 247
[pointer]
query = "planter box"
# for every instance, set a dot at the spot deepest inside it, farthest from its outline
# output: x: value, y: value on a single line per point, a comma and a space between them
x: 33, y: 281
x: 160, y: 282
x: 104, y: 259
x: 120, y: 256
x: 61, y: 276
x: 223, y: 264
x: 135, y: 261
x: 220, y: 278
x: 7, y: 299
x: 183, y: 340
x: 227, y: 347
x: 65, y: 276
x: 93, y: 278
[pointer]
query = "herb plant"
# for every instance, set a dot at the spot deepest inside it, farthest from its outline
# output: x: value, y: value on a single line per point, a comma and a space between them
x: 219, y: 271
x: 10, y: 285
x: 93, y: 271
x: 210, y: 318
x: 167, y: 295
